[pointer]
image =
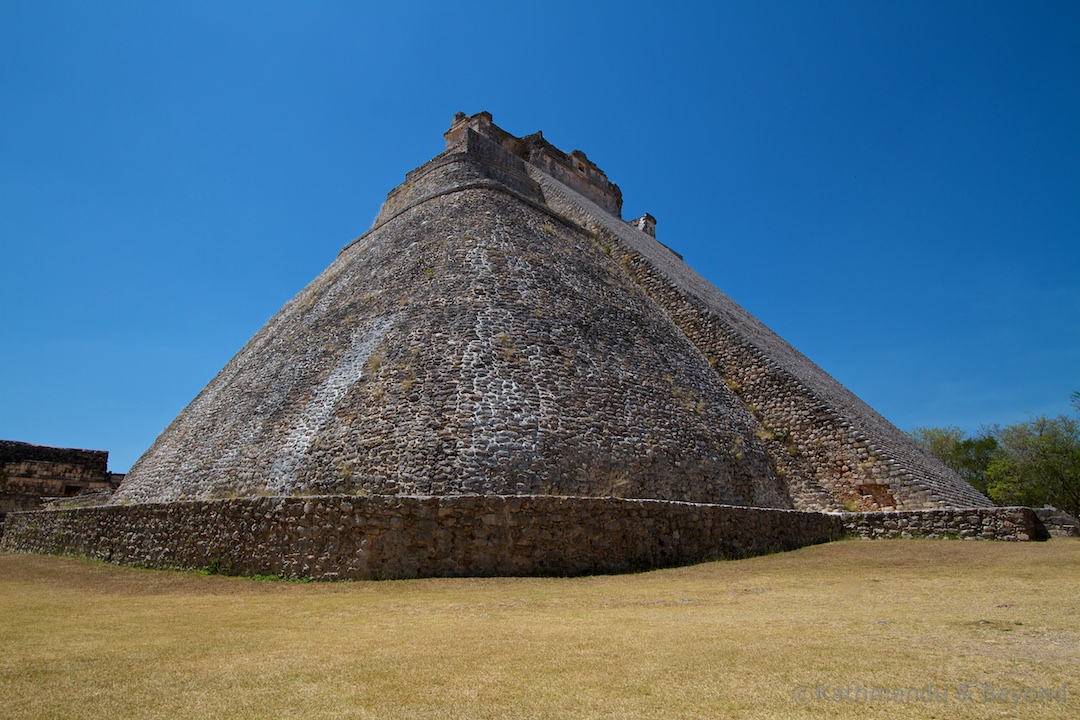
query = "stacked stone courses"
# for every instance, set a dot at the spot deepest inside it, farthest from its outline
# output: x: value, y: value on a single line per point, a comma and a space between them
x: 372, y: 538
x: 90, y: 464
x: 347, y: 537
x: 30, y: 474
x: 1004, y: 523
x: 500, y: 332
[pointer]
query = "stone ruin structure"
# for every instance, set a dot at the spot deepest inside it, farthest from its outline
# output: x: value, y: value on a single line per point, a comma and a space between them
x: 503, y: 376
x: 33, y: 474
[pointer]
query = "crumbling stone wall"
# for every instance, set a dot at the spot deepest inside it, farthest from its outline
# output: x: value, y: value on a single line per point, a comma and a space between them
x: 573, y: 169
x: 29, y: 473
x: 80, y: 463
x: 338, y: 537
x: 472, y: 160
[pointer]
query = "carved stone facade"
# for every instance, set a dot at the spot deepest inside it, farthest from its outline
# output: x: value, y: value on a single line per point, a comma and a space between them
x: 647, y: 224
x: 33, y: 474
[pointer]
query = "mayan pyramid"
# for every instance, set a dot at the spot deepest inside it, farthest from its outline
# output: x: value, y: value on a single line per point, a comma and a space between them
x: 502, y: 331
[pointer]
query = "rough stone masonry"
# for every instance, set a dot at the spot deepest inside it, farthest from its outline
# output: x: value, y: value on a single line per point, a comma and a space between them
x: 501, y: 332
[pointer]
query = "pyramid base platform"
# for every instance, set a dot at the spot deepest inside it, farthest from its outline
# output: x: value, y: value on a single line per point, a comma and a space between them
x: 383, y: 537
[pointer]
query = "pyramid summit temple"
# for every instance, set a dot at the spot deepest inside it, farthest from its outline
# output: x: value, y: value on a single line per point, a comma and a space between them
x: 504, y: 376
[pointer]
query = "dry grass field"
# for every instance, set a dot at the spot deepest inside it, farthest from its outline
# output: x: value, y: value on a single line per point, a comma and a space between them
x: 779, y: 636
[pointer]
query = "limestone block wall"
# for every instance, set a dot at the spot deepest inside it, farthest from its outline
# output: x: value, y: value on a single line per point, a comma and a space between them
x: 573, y: 169
x: 339, y: 537
x: 472, y: 161
x: 999, y: 523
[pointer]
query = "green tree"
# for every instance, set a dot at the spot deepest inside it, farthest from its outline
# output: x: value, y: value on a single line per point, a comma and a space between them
x: 1037, y: 463
x: 968, y: 457
x: 941, y: 442
x: 1031, y: 463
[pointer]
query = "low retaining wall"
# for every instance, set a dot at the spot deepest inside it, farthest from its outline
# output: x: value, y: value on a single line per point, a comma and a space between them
x: 1058, y: 522
x: 1000, y: 523
x: 338, y: 537
x: 348, y: 537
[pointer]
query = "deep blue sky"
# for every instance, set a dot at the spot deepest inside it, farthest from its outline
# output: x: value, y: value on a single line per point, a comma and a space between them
x: 893, y: 187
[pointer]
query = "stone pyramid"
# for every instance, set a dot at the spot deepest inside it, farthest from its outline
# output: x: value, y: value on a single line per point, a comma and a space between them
x: 501, y: 331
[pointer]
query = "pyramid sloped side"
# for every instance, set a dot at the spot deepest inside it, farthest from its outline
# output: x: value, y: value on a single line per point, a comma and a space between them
x: 837, y: 452
x: 472, y: 342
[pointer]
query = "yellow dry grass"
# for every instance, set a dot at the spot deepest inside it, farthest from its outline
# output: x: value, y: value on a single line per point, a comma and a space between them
x: 765, y: 637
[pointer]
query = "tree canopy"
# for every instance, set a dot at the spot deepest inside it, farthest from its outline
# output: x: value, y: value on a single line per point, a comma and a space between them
x: 1031, y: 463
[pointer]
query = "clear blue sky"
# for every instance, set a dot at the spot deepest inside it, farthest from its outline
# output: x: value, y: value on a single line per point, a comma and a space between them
x: 893, y: 187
